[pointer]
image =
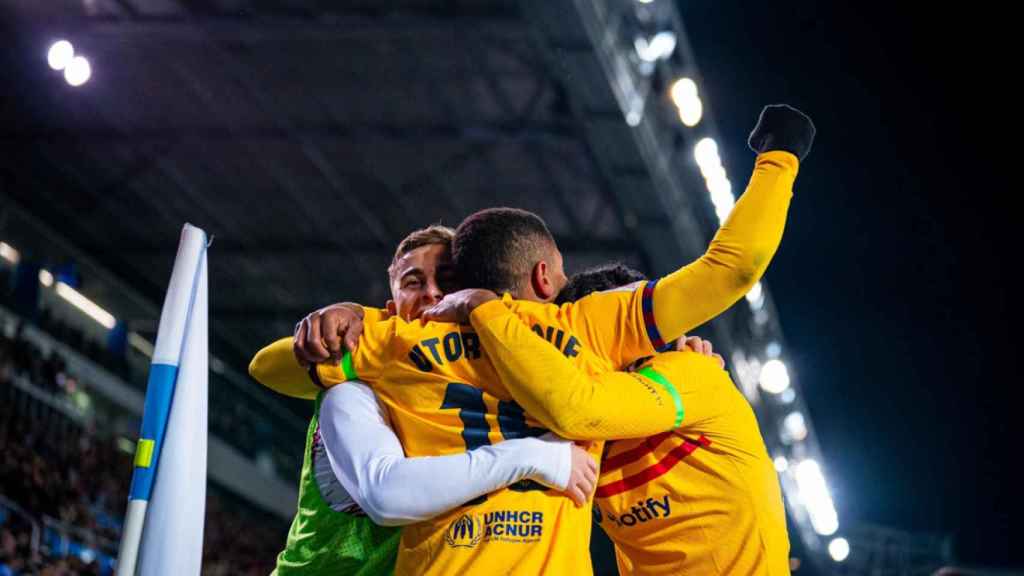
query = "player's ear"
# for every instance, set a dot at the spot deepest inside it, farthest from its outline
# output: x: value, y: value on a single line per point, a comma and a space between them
x: 391, y: 307
x: 541, y: 281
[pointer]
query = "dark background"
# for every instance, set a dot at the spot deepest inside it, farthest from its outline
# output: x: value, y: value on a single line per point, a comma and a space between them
x: 896, y: 280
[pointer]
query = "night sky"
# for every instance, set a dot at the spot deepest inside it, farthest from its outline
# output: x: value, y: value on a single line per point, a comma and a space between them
x: 895, y: 278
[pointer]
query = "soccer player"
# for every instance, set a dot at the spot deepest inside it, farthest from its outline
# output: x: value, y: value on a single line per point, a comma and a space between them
x: 353, y: 461
x: 445, y: 396
x: 703, y: 498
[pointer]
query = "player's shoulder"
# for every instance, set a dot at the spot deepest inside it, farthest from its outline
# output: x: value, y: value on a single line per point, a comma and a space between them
x: 612, y: 297
x: 397, y: 329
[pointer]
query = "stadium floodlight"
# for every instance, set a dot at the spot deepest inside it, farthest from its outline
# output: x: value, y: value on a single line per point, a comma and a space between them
x: 682, y: 90
x: 723, y: 209
x: 106, y: 319
x: 60, y: 54
x: 755, y: 297
x: 691, y: 111
x: 787, y: 396
x: 706, y: 154
x: 721, y: 190
x: 45, y: 278
x: 7, y: 252
x: 794, y: 427
x: 78, y: 71
x: 636, y: 111
x: 839, y: 549
x: 781, y: 463
x: 815, y: 498
x: 659, y: 47
x: 713, y: 171
x: 774, y: 376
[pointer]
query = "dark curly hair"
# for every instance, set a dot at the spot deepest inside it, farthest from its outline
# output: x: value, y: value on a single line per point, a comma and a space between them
x: 603, y: 277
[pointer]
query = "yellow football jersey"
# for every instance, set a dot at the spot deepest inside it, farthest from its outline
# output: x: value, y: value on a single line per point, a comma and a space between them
x: 444, y: 396
x: 702, y: 499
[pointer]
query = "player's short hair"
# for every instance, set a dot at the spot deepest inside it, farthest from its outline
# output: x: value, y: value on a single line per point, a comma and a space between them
x: 497, y: 247
x: 433, y: 234
x: 597, y: 279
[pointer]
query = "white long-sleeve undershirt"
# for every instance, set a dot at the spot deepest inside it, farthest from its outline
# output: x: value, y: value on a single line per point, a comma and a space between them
x: 393, y: 490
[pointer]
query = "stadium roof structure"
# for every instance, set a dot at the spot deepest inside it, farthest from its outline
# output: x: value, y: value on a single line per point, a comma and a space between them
x: 306, y: 139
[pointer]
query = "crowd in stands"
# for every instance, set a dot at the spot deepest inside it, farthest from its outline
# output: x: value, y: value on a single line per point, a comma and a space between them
x: 234, y: 416
x: 67, y: 483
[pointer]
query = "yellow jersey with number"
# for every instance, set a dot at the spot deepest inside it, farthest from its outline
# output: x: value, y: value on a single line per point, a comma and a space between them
x: 701, y: 499
x: 444, y: 396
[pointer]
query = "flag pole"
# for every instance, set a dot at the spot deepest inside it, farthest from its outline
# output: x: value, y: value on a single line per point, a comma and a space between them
x: 187, y: 280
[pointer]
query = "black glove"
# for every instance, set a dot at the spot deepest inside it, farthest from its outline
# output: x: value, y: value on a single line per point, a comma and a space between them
x: 782, y: 127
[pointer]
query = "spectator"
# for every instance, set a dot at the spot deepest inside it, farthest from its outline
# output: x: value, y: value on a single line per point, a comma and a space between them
x: 53, y: 468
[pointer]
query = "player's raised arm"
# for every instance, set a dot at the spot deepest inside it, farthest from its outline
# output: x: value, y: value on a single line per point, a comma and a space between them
x: 741, y: 250
x: 635, y: 321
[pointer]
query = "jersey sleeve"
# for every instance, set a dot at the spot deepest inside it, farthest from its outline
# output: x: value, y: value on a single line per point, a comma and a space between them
x: 705, y: 391
x: 276, y: 368
x: 615, y: 324
x: 736, y: 258
x: 567, y: 400
x: 367, y: 458
x: 364, y: 363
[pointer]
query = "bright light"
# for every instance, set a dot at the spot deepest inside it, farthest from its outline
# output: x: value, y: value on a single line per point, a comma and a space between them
x: 7, y: 252
x: 723, y: 209
x: 45, y: 278
x: 691, y: 111
x: 756, y: 296
x: 78, y: 71
x: 682, y: 90
x: 141, y: 344
x: 839, y: 549
x: 787, y: 396
x: 706, y: 153
x: 773, y: 349
x: 660, y: 46
x: 85, y: 305
x: 774, y: 376
x: 781, y: 464
x: 721, y: 190
x: 60, y: 54
x: 684, y: 95
x: 794, y: 427
x: 713, y: 172
x: 815, y: 498
x: 645, y: 1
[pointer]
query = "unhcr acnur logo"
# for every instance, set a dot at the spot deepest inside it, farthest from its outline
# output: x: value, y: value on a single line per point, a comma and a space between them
x: 465, y: 532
